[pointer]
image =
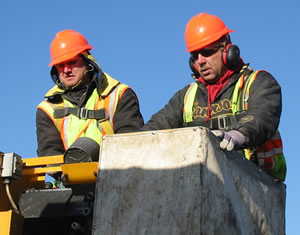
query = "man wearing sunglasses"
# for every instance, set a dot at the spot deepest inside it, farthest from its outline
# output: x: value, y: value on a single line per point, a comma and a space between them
x: 241, y: 106
x: 85, y: 102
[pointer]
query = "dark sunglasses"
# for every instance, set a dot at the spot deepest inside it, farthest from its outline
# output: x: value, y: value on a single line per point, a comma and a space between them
x: 205, y: 52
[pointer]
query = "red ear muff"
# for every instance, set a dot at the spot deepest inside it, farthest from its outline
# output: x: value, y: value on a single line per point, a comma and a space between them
x: 231, y: 55
x: 193, y: 68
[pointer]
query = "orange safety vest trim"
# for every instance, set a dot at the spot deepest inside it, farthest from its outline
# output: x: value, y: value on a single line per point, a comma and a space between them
x: 270, y: 154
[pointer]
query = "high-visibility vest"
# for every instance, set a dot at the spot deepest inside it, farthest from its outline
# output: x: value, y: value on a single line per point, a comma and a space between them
x: 268, y: 156
x: 94, y: 120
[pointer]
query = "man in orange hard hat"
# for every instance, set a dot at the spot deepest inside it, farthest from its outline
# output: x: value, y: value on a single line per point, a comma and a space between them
x: 241, y: 106
x: 85, y: 102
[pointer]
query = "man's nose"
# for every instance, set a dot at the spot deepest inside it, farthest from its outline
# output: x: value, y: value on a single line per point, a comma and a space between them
x: 201, y: 59
x: 67, y: 68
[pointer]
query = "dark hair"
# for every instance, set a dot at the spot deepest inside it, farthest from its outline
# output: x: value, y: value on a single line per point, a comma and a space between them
x: 225, y: 38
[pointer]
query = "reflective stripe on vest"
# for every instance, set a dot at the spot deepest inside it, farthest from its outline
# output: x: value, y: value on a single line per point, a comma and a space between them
x: 270, y: 154
x: 72, y: 127
x: 189, y: 102
x: 48, y: 108
x: 240, y: 94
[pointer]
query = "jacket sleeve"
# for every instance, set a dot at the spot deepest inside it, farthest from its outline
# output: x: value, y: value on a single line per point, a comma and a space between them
x: 171, y: 116
x: 48, y: 137
x: 128, y: 117
x: 264, y: 110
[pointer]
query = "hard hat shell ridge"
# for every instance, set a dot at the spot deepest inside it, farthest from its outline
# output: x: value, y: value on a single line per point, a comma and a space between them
x: 66, y: 45
x: 204, y: 29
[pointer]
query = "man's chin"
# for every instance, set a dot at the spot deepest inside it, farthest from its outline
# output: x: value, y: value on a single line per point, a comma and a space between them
x: 210, y: 79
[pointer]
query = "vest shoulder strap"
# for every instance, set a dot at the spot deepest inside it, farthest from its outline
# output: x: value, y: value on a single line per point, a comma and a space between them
x: 189, y: 102
x: 106, y: 124
x: 241, y: 91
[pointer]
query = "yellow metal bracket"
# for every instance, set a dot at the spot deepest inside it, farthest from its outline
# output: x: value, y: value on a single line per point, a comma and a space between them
x: 80, y: 173
x: 11, y: 223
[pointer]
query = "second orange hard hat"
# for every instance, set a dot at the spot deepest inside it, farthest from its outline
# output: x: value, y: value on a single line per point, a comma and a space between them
x: 204, y: 29
x: 66, y: 45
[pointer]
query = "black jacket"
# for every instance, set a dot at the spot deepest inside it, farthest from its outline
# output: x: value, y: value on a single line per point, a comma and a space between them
x: 127, y: 117
x: 259, y: 124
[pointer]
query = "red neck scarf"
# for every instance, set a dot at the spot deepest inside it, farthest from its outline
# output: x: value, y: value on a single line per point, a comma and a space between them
x: 214, y: 89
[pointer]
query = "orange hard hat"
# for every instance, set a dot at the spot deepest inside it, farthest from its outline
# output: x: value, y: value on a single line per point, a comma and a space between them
x: 202, y: 30
x: 66, y: 45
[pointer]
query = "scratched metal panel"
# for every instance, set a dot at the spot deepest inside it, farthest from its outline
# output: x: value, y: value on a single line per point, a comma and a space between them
x: 179, y: 182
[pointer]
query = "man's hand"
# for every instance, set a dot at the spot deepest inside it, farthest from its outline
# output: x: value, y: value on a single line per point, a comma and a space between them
x: 230, y: 140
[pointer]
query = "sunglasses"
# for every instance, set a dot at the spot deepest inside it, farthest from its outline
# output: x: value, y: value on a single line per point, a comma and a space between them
x: 70, y: 63
x: 205, y: 52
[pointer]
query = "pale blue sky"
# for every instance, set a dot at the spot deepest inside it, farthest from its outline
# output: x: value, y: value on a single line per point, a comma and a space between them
x: 141, y: 43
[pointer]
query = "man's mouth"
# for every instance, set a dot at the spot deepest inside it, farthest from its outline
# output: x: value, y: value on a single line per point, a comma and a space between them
x: 69, y: 76
x: 205, y: 72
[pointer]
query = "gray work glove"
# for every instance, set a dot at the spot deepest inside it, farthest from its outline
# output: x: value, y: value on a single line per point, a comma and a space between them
x: 230, y: 140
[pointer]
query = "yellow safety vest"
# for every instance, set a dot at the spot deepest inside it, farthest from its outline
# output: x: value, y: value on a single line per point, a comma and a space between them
x: 80, y: 124
x: 270, y: 154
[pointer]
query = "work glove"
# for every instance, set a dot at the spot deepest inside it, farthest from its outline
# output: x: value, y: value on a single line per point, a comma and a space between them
x: 230, y: 140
